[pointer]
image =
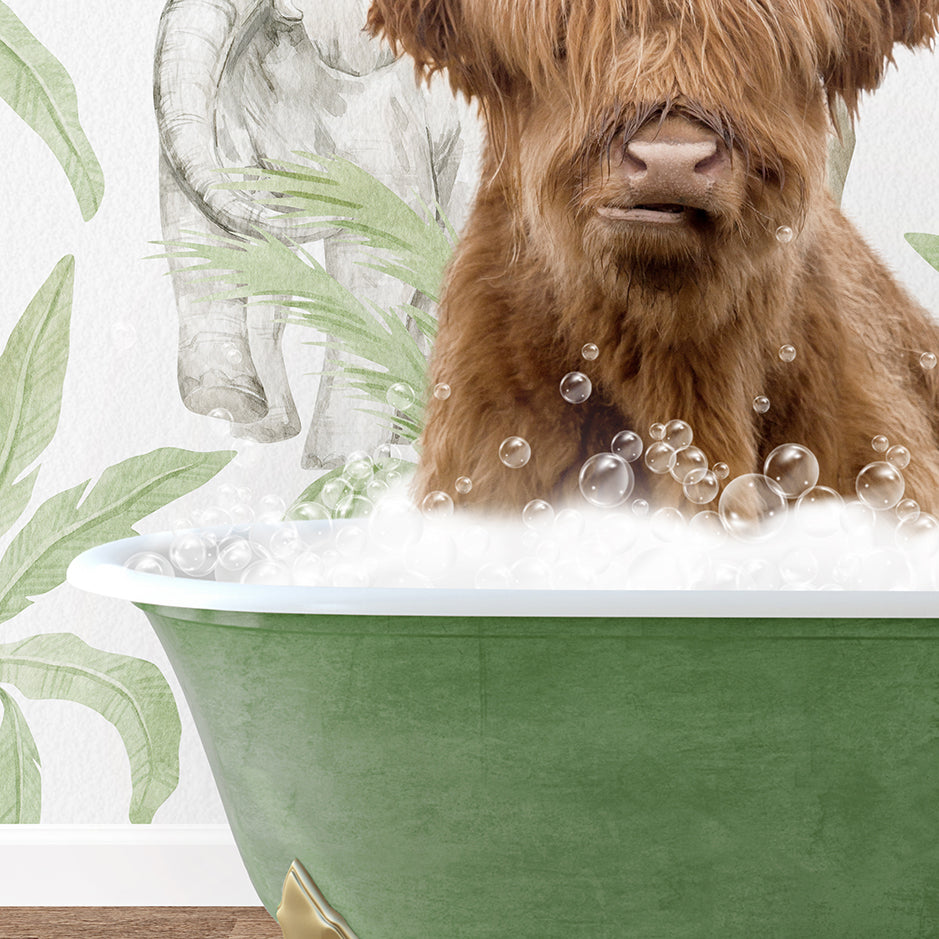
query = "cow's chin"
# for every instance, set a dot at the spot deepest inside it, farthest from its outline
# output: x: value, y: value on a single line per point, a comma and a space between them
x: 633, y: 253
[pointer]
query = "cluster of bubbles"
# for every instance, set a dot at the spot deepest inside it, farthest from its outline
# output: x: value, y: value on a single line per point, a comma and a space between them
x: 777, y: 529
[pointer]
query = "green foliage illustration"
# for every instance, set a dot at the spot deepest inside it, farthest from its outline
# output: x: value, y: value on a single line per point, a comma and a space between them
x: 34, y: 83
x: 129, y: 692
x: 410, y: 246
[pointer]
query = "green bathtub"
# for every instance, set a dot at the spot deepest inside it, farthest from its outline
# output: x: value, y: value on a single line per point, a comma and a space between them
x: 539, y: 765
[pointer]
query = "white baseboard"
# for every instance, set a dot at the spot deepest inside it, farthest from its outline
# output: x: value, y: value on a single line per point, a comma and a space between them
x: 122, y: 865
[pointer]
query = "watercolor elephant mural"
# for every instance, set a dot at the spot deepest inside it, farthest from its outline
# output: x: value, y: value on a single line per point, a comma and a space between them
x: 129, y: 692
x: 244, y: 83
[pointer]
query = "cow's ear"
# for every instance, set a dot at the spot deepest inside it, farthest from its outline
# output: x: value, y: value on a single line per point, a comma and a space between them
x: 436, y: 35
x: 867, y: 31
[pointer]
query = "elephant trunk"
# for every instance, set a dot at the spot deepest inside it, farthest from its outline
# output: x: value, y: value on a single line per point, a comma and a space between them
x: 194, y: 42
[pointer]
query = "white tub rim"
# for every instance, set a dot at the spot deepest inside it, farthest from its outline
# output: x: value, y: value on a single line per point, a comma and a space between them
x: 101, y: 571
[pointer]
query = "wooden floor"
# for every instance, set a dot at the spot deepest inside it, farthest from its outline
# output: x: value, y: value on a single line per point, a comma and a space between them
x: 136, y: 922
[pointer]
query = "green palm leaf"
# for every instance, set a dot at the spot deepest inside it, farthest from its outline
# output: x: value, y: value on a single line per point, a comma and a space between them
x: 417, y: 247
x: 128, y: 692
x: 266, y: 268
x: 80, y: 518
x: 20, y: 778
x: 32, y: 370
x: 37, y: 87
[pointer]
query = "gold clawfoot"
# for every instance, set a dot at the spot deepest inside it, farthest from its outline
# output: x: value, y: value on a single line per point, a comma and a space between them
x: 304, y: 913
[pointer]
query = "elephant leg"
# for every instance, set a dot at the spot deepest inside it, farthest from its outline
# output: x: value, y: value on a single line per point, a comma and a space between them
x: 338, y: 426
x: 215, y: 367
x: 265, y: 333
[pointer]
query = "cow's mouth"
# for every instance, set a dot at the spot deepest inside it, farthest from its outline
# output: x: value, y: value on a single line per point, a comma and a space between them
x: 662, y: 213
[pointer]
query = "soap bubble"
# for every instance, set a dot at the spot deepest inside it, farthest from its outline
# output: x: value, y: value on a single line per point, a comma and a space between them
x: 927, y: 361
x: 437, y: 504
x: 761, y: 404
x: 193, y: 554
x: 919, y: 531
x: 233, y: 354
x: 687, y: 460
x: 678, y: 435
x: 400, y: 396
x: 149, y: 562
x: 354, y: 505
x: 657, y: 431
x: 799, y: 567
x: 220, y: 414
x: 241, y: 514
x: 590, y: 351
x: 907, y: 508
x: 308, y: 569
x: 575, y: 387
x: 752, y: 508
x: 787, y: 352
x: 660, y: 457
x: 899, y: 456
x: 333, y: 491
x: 358, y: 467
x: 386, y: 452
x: 707, y: 526
x: 235, y: 554
x: 569, y: 525
x: 640, y: 508
x: 721, y: 470
x: 216, y: 518
x: 857, y: 518
x: 606, y: 480
x: 628, y: 445
x: 793, y: 468
x: 668, y: 524
x: 308, y: 511
x: 880, y: 443
x: 376, y: 488
x: 784, y: 234
x: 266, y: 572
x: 441, y: 391
x: 700, y: 486
x: 819, y: 510
x: 538, y: 514
x: 880, y: 485
x: 514, y: 452
x: 463, y: 485
x: 271, y: 508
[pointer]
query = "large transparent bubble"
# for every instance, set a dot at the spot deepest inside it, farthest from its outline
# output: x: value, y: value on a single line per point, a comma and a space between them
x: 793, y: 468
x: 606, y: 480
x: 752, y: 508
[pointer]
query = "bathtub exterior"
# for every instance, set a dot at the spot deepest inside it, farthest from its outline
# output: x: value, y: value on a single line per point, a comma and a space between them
x: 443, y: 777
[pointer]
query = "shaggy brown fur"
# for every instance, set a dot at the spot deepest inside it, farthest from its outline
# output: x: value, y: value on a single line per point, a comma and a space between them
x: 688, y: 316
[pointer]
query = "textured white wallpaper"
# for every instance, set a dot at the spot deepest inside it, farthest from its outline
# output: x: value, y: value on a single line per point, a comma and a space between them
x: 121, y: 398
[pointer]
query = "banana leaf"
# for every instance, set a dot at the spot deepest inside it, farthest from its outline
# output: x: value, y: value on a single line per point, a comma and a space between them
x: 32, y: 370
x: 34, y: 83
x: 130, y: 693
x: 21, y: 780
x: 84, y: 516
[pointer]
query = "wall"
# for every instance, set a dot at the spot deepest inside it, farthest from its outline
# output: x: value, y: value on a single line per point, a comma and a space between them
x: 120, y: 396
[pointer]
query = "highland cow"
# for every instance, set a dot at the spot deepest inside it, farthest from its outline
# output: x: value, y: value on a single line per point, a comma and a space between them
x: 654, y: 183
